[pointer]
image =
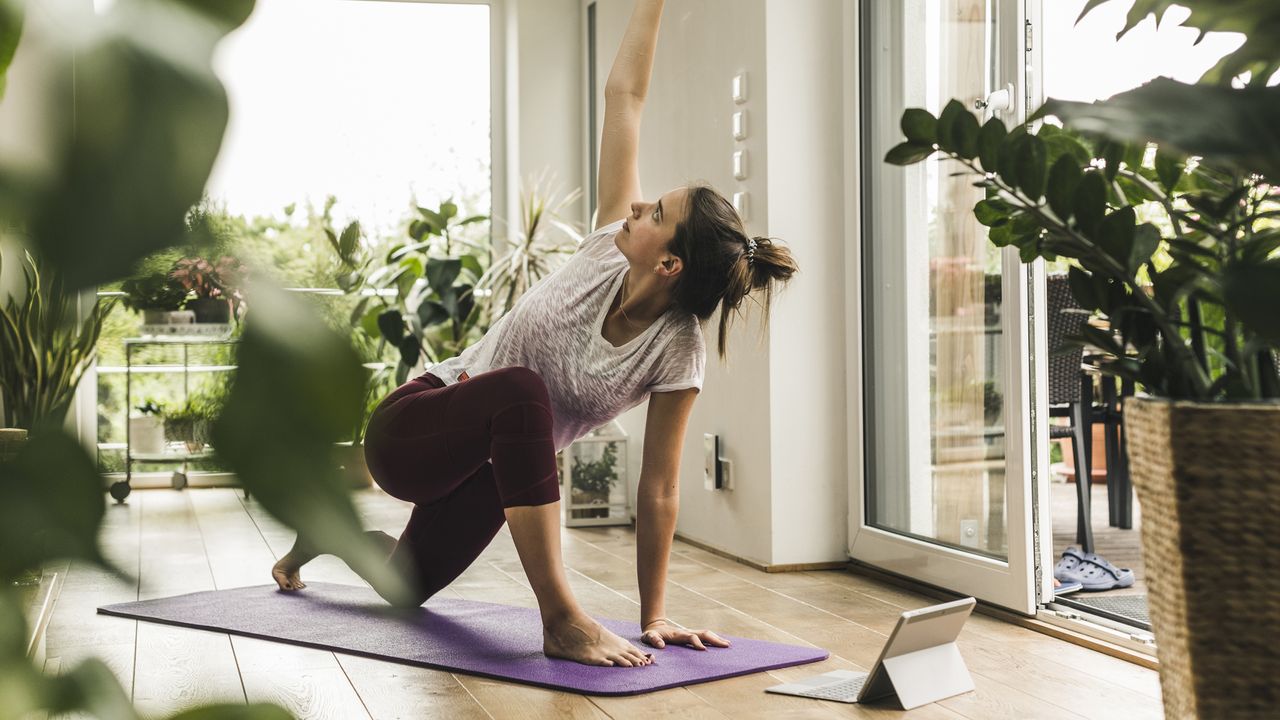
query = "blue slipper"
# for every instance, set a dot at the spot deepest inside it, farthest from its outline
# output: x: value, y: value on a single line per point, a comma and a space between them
x: 1097, y: 573
x: 1067, y: 567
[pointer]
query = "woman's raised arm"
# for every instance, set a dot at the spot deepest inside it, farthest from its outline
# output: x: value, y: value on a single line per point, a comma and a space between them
x: 624, y: 95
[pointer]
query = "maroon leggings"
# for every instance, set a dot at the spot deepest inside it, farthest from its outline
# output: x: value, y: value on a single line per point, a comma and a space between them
x: 461, y: 453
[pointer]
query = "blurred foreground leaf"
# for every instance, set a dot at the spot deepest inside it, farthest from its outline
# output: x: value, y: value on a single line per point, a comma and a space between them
x: 299, y: 388
x: 125, y: 167
x: 1240, y: 127
x: 53, y: 504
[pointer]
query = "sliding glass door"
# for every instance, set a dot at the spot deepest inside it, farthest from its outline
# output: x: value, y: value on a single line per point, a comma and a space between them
x: 948, y: 388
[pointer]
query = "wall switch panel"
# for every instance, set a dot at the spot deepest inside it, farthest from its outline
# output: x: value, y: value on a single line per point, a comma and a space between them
x: 740, y: 88
x: 740, y: 164
x: 740, y: 125
x: 712, y: 472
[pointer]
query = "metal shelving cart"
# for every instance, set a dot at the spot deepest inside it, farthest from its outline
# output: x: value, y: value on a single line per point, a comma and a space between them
x: 120, y: 490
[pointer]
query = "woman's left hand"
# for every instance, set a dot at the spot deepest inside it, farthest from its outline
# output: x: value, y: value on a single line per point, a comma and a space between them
x: 661, y: 633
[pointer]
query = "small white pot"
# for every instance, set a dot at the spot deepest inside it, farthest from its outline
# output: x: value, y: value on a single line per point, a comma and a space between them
x: 146, y: 434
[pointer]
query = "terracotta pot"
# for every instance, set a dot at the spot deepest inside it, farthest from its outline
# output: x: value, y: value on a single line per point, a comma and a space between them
x: 1208, y: 477
x: 1098, y: 464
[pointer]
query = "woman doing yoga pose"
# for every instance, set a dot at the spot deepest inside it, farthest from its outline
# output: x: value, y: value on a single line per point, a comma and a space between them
x: 472, y: 443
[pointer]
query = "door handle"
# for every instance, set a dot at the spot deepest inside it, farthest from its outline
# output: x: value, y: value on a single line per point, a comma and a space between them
x: 1001, y: 99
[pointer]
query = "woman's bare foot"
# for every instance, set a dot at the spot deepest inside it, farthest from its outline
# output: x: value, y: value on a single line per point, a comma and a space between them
x: 287, y: 569
x: 580, y: 638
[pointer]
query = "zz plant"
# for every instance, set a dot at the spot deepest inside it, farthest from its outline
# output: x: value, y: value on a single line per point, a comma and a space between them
x: 1202, y: 326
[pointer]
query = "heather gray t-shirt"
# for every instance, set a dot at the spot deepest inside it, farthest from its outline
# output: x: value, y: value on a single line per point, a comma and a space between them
x: 555, y: 329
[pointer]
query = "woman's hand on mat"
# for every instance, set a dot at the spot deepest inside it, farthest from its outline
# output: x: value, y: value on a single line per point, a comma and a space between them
x: 660, y: 633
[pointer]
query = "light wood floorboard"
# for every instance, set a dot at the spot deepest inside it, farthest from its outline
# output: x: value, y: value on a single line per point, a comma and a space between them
x: 201, y: 539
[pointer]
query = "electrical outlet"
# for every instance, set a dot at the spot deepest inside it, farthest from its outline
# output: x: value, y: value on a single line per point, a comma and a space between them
x: 969, y: 533
x: 728, y: 474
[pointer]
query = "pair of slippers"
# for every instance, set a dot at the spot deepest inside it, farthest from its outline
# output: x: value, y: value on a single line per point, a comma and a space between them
x: 1089, y: 572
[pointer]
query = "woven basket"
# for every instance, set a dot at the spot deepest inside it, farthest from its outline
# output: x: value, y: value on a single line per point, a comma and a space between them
x: 11, y: 442
x: 1208, y: 478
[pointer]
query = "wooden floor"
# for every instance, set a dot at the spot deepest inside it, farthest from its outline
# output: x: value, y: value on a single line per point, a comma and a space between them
x: 193, y: 540
x: 1123, y: 548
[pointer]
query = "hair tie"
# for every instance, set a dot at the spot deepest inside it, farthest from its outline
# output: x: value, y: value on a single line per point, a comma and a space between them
x: 751, y: 250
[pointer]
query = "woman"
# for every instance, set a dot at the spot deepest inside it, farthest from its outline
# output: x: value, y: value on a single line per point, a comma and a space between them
x: 472, y: 442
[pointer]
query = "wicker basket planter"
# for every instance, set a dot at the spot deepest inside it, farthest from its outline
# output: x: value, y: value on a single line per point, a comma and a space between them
x: 1208, y: 478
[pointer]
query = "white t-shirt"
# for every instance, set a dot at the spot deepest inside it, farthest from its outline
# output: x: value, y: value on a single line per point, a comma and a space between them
x: 555, y: 329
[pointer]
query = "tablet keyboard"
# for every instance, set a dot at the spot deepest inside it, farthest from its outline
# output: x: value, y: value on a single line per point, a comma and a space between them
x: 845, y: 691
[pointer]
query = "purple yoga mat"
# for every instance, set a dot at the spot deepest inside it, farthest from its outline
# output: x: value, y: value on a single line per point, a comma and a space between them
x: 477, y: 638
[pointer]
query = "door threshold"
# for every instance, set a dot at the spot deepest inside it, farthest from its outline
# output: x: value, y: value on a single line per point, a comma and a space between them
x: 1074, y: 626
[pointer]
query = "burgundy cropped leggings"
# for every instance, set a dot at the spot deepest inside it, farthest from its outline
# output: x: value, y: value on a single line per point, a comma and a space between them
x: 461, y: 453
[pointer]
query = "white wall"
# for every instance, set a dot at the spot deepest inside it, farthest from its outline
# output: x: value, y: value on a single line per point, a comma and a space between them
x: 779, y: 403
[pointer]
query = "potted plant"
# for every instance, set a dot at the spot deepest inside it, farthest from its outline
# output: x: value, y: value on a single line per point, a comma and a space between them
x: 45, y: 349
x: 146, y: 428
x: 1176, y: 249
x: 593, y: 481
x: 214, y: 286
x: 159, y: 298
x: 181, y: 424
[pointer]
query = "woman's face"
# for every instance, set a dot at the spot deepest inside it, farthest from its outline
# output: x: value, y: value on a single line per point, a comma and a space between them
x: 648, y: 231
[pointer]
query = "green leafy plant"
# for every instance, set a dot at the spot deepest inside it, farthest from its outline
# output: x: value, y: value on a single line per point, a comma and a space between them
x: 595, y: 478
x: 45, y: 349
x: 150, y: 406
x: 542, y: 204
x: 1191, y: 295
x: 153, y: 292
x: 438, y: 317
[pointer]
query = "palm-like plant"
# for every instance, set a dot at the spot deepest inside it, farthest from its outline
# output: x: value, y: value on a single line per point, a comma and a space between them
x: 46, y: 349
x: 542, y: 203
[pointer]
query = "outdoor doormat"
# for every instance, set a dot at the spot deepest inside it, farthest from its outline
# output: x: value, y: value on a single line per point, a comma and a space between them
x: 477, y: 638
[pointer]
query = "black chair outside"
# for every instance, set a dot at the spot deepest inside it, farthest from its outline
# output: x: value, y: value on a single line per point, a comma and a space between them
x: 1071, y: 394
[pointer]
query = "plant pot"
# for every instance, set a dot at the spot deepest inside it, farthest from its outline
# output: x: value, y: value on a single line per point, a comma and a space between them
x: 146, y: 434
x: 1208, y: 475
x: 350, y: 460
x: 168, y: 317
x: 183, y: 430
x: 12, y: 440
x: 211, y: 310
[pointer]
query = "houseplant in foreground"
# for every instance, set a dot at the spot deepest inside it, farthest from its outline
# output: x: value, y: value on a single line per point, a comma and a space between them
x: 1191, y: 299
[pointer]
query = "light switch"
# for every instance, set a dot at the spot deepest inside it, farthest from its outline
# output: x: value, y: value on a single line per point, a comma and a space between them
x: 740, y: 88
x: 740, y: 125
x: 740, y: 164
x: 740, y: 204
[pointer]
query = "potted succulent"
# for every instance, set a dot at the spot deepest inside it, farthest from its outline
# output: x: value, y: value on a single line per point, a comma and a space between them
x: 159, y: 298
x: 1176, y: 248
x: 146, y: 428
x: 215, y: 286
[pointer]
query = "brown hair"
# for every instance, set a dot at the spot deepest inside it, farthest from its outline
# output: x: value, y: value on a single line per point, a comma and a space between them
x: 713, y: 245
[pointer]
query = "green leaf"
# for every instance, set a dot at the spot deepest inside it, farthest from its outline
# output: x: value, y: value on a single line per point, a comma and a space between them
x: 1112, y: 154
x: 1029, y: 251
x: 1064, y: 179
x: 992, y: 213
x: 1252, y: 293
x: 1115, y: 234
x: 1001, y: 235
x: 1146, y: 238
x: 1169, y: 167
x: 53, y: 503
x: 1236, y: 127
x: 299, y: 387
x: 947, y: 123
x: 1090, y: 201
x: 1260, y: 246
x: 966, y: 135
x: 11, y: 20
x: 1030, y: 166
x: 1082, y: 288
x: 908, y: 153
x: 448, y: 210
x: 350, y: 236
x: 920, y: 126
x: 990, y: 139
